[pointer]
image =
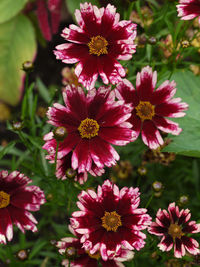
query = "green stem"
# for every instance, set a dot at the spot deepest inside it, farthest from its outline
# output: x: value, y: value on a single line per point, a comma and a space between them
x: 56, y: 157
x: 149, y: 201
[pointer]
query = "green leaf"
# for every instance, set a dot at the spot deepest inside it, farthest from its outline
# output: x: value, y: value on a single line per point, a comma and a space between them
x: 5, y: 150
x: 188, y: 142
x: 17, y: 45
x: 75, y: 4
x: 10, y: 8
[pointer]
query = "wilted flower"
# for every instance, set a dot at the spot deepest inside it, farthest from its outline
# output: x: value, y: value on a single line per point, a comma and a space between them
x: 123, y: 169
x: 173, y: 226
x: 152, y: 106
x: 93, y: 123
x: 16, y: 200
x: 69, y: 77
x: 99, y: 41
x: 110, y: 220
x: 188, y: 9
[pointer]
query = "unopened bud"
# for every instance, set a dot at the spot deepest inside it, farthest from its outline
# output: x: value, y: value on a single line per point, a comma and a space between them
x: 71, y: 173
x: 22, y: 255
x: 152, y: 40
x: 185, y: 43
x: 60, y: 133
x: 158, y: 194
x: 157, y: 186
x: 183, y: 200
x: 17, y: 125
x: 142, y: 170
x: 70, y: 252
x: 27, y: 66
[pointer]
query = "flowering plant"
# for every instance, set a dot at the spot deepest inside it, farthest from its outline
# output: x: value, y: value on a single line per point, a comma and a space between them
x: 100, y: 160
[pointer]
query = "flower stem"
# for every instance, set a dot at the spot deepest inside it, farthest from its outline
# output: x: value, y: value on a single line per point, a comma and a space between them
x: 56, y: 155
x: 149, y: 201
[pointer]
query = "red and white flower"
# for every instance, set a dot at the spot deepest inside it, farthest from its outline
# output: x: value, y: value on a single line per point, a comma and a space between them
x: 173, y: 226
x: 152, y: 106
x: 96, y: 45
x: 110, y: 220
x: 93, y: 123
x: 16, y: 201
x: 188, y: 9
x: 72, y: 248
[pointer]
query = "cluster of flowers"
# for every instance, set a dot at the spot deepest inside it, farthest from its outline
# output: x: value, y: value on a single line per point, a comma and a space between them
x: 109, y: 224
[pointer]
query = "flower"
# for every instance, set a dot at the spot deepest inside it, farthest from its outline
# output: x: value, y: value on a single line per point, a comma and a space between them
x: 110, y: 220
x: 99, y: 41
x: 93, y: 123
x: 152, y: 106
x: 173, y: 226
x: 72, y: 248
x: 16, y: 200
x: 188, y: 9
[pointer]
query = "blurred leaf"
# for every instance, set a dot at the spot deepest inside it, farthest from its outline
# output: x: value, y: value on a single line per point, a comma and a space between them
x: 10, y: 8
x: 39, y: 244
x: 75, y: 4
x: 43, y: 90
x: 188, y: 142
x: 17, y: 46
x: 6, y: 149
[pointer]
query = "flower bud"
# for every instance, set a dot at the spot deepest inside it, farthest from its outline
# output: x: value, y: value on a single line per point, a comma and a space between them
x: 27, y: 66
x: 157, y: 186
x: 183, y: 200
x: 70, y: 252
x: 152, y: 40
x: 71, y: 173
x: 142, y: 170
x: 17, y: 125
x: 22, y: 255
x: 185, y: 43
x: 60, y: 133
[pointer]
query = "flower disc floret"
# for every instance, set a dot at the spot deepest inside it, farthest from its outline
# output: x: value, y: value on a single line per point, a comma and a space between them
x: 151, y: 107
x: 88, y: 128
x: 110, y: 220
x: 173, y: 227
x: 4, y: 199
x: 97, y: 43
x: 98, y: 46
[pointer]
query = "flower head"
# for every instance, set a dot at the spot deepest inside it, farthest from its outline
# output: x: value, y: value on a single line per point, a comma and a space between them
x: 152, y: 106
x: 110, y: 220
x: 93, y: 123
x: 173, y: 226
x: 99, y: 41
x: 188, y: 9
x: 72, y: 248
x: 16, y: 200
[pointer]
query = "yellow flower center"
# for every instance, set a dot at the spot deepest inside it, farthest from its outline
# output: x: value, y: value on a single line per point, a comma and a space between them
x: 111, y: 221
x: 4, y: 199
x: 98, y: 45
x: 95, y: 255
x: 145, y: 110
x: 88, y: 128
x: 175, y: 231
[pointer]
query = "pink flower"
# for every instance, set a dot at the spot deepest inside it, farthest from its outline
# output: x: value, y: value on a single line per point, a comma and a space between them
x: 64, y: 167
x: 110, y: 220
x: 72, y: 248
x: 16, y: 200
x: 173, y: 226
x: 188, y: 9
x: 93, y: 123
x: 152, y: 106
x: 99, y: 41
